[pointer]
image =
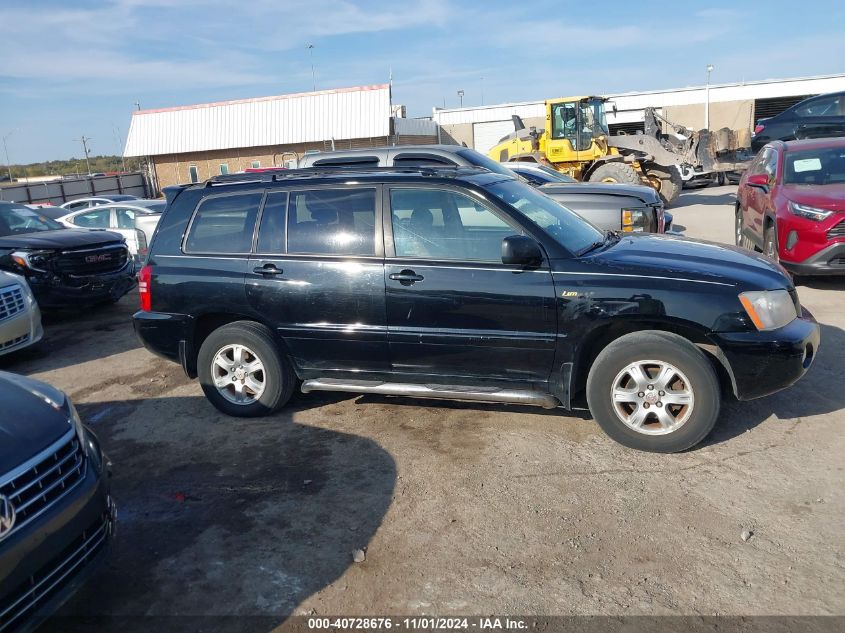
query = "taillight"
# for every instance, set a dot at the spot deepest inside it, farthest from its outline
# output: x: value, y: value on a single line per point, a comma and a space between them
x: 145, y: 289
x: 759, y: 128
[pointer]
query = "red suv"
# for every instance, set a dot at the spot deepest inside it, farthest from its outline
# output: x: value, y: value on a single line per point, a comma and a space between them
x: 791, y: 205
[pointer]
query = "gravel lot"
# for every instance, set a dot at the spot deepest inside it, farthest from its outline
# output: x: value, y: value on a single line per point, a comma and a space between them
x: 461, y: 508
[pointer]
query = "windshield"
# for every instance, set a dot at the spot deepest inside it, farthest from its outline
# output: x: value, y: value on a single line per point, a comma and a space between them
x: 480, y: 160
x: 579, y: 122
x: 15, y: 219
x: 567, y: 227
x: 823, y: 166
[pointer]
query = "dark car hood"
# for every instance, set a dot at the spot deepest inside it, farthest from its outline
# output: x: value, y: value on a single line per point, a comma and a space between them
x: 28, y: 424
x: 60, y: 238
x: 822, y: 196
x: 646, y: 194
x: 683, y: 258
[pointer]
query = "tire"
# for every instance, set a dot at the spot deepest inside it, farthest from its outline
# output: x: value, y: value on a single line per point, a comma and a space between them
x: 721, y: 180
x: 671, y: 182
x: 275, y: 377
x: 770, y: 243
x: 691, y: 378
x: 618, y: 172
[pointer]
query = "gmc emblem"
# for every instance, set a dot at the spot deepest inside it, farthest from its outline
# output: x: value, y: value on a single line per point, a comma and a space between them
x: 92, y: 259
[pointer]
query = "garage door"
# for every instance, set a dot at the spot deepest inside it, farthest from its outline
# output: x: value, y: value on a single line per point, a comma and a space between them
x: 486, y: 135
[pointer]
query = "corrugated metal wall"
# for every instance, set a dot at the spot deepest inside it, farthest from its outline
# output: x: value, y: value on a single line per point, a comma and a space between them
x: 310, y: 117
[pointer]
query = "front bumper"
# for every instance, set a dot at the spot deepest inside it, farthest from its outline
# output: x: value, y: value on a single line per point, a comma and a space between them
x: 828, y: 261
x: 43, y: 565
x: 762, y: 363
x: 53, y: 291
x: 21, y: 330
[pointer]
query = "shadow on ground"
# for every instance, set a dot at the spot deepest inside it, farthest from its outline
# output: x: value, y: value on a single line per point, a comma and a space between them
x: 221, y: 516
x: 689, y: 198
x: 72, y: 337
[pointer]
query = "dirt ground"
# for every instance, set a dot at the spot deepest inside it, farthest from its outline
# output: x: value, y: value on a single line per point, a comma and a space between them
x: 460, y: 508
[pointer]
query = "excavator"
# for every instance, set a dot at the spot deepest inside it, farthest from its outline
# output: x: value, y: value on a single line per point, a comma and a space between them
x: 577, y: 142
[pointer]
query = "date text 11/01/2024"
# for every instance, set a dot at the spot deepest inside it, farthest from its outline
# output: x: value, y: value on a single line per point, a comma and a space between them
x: 417, y: 623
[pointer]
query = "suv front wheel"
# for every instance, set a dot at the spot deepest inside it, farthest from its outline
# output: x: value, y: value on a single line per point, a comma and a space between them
x: 654, y: 391
x: 242, y: 372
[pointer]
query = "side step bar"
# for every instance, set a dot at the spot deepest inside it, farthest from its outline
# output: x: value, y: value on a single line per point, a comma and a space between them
x: 443, y: 392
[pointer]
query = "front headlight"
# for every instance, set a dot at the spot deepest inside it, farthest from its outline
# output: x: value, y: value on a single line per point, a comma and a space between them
x: 634, y: 220
x: 769, y: 309
x: 32, y: 260
x: 808, y: 212
x: 77, y: 426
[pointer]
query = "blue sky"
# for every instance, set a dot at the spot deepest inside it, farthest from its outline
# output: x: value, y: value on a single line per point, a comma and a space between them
x: 77, y: 67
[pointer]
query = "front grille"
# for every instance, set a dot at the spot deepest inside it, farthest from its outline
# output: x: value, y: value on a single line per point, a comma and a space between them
x: 11, y: 301
x: 15, y: 341
x: 92, y: 261
x: 837, y: 231
x: 47, y: 581
x: 39, y: 483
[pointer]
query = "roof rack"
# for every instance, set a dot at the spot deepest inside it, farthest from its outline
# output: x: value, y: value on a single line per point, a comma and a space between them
x: 282, y: 175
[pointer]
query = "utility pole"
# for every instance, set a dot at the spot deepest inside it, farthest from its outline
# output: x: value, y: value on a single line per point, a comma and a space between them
x: 313, y: 72
x: 6, y: 149
x: 461, y: 97
x: 707, y: 98
x: 117, y: 136
x: 84, y: 140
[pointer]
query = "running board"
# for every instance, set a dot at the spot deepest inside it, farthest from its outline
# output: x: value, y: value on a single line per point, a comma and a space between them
x: 444, y: 392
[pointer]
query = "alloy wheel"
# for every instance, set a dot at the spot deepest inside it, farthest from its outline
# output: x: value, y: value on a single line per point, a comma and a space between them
x: 652, y: 397
x: 238, y: 374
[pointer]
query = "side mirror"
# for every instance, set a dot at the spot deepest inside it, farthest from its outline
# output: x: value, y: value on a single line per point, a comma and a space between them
x: 520, y: 250
x: 758, y: 180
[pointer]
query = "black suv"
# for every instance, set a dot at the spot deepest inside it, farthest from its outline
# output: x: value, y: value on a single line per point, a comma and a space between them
x: 816, y: 117
x: 462, y: 284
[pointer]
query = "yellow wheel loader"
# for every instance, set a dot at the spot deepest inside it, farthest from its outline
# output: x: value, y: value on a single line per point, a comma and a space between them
x: 576, y: 141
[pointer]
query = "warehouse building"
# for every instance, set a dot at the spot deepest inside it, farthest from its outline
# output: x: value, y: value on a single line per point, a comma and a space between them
x: 735, y: 105
x: 193, y: 143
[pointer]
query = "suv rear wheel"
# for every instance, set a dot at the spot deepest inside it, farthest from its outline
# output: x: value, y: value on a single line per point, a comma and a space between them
x: 242, y: 372
x: 654, y: 391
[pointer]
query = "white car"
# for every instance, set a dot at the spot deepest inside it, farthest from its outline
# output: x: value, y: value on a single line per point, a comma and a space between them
x: 20, y: 317
x: 121, y: 217
x: 95, y: 201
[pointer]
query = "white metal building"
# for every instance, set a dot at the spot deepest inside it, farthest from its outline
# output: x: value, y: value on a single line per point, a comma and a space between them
x: 195, y: 142
x: 734, y: 105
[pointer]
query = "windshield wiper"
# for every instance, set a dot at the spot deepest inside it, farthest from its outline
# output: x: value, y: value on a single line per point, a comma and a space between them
x: 609, y: 236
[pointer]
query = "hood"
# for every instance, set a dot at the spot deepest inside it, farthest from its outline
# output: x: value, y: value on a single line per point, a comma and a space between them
x: 656, y: 255
x: 60, y: 239
x: 28, y: 424
x: 646, y: 194
x: 821, y: 196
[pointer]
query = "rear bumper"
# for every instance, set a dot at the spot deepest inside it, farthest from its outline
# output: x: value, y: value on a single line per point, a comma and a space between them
x: 73, y: 292
x: 44, y: 564
x: 167, y: 335
x: 828, y: 261
x: 762, y: 363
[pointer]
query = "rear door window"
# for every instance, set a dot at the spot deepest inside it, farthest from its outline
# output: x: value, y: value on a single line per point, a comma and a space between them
x: 94, y: 219
x: 332, y: 222
x: 224, y: 224
x: 125, y: 218
x: 271, y: 232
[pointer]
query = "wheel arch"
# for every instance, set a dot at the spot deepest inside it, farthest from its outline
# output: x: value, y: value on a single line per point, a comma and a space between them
x: 604, y: 334
x: 207, y: 323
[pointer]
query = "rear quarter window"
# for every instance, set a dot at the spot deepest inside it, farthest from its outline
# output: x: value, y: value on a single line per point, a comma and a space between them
x: 224, y: 224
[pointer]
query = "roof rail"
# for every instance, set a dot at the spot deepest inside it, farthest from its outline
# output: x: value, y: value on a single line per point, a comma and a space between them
x: 330, y: 170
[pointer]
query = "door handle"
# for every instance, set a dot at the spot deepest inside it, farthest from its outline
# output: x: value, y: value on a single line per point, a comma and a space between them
x: 268, y: 269
x: 406, y: 277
